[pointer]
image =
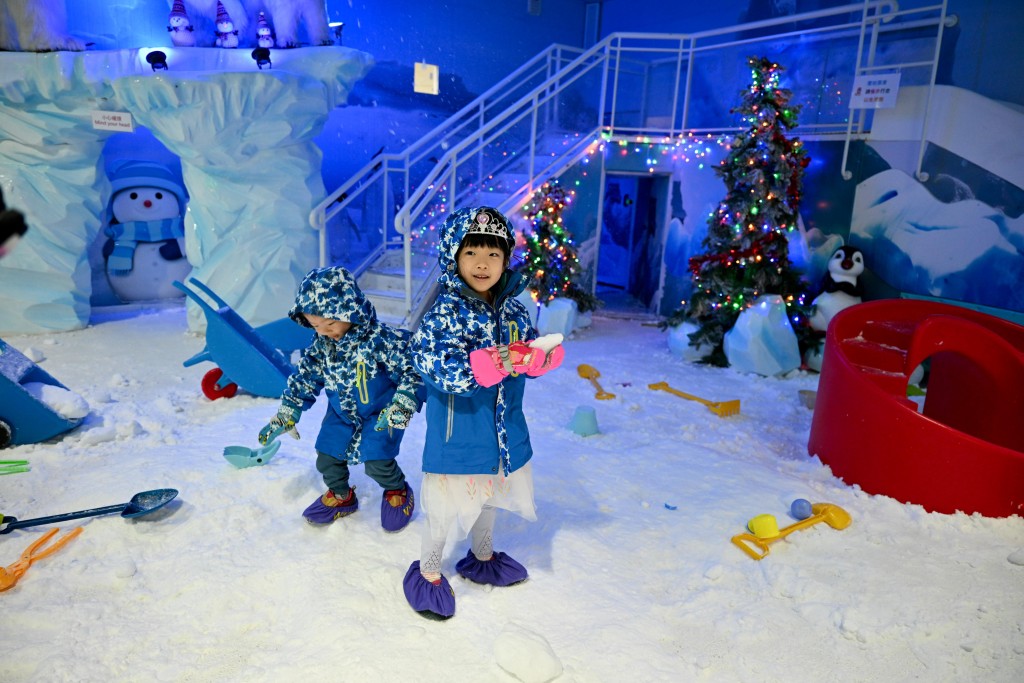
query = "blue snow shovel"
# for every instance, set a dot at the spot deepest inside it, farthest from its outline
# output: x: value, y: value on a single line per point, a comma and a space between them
x: 140, y: 504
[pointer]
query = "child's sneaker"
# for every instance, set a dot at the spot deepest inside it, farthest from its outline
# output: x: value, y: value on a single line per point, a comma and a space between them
x: 500, y: 570
x: 432, y: 600
x: 396, y: 508
x: 329, y: 507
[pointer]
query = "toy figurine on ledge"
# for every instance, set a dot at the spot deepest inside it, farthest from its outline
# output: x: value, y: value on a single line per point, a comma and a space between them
x: 180, y: 28
x: 264, y: 36
x: 227, y: 36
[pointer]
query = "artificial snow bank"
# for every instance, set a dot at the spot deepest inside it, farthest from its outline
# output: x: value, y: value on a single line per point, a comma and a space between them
x: 245, y: 137
x: 632, y: 573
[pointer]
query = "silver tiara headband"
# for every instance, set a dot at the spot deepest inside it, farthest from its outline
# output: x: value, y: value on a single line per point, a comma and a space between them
x: 487, y: 222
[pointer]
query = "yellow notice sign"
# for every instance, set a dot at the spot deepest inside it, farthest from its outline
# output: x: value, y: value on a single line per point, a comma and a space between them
x: 426, y: 79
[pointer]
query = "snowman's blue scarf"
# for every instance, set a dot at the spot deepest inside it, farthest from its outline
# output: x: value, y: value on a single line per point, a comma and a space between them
x: 127, y: 235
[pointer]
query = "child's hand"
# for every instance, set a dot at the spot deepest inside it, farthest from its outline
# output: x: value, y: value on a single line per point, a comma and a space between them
x: 398, y: 412
x: 553, y: 354
x: 552, y: 360
x: 495, y: 363
x: 284, y: 421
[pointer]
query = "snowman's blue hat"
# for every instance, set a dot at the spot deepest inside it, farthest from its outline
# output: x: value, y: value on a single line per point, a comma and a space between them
x: 147, y: 174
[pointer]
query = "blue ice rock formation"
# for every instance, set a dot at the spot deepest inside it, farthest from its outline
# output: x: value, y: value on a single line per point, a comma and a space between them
x: 245, y: 140
x: 762, y: 340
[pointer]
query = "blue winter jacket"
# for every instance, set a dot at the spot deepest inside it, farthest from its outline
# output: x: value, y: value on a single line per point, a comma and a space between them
x: 360, y: 372
x: 471, y: 429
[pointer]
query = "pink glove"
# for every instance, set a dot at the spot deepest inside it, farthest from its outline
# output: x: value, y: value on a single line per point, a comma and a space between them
x: 495, y: 363
x: 552, y: 359
x: 551, y: 344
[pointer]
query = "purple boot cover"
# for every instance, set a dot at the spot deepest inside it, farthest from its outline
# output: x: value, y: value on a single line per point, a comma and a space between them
x: 396, y: 517
x: 500, y: 570
x: 328, y: 507
x: 437, y: 601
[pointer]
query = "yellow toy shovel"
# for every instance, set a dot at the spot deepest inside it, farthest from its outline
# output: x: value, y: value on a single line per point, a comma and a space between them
x: 590, y: 372
x: 833, y: 515
x: 719, y: 408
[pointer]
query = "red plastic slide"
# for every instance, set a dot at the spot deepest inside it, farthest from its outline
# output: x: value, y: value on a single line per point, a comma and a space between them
x: 965, y: 450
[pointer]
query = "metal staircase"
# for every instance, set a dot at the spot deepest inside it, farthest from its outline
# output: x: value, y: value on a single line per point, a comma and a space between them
x: 567, y: 103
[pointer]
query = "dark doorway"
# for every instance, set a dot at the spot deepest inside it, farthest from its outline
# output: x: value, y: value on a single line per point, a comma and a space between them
x: 629, y: 260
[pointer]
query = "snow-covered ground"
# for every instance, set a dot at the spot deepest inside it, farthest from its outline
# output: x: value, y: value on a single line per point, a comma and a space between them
x: 632, y: 573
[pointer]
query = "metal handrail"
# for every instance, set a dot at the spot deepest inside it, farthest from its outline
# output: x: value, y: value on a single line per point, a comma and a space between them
x: 493, y: 118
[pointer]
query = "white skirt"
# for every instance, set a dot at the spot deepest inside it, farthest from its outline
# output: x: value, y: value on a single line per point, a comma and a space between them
x: 448, y: 498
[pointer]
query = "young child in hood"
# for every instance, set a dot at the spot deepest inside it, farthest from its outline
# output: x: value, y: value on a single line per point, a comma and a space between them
x: 476, y: 458
x: 372, y: 390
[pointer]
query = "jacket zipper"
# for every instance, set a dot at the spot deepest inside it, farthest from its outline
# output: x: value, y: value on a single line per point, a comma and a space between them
x: 361, y: 386
x: 451, y: 417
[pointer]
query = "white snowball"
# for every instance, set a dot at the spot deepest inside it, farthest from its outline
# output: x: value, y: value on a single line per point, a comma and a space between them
x: 126, y: 569
x: 1017, y: 557
x: 526, y: 655
x: 64, y: 402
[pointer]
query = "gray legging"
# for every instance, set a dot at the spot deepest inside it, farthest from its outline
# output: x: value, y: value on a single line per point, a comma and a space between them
x: 387, y: 473
x: 481, y: 538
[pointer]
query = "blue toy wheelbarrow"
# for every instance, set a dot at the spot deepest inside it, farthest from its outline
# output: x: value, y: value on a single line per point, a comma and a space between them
x: 25, y: 419
x: 256, y: 360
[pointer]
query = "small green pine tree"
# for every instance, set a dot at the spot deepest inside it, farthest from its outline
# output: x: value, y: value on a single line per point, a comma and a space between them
x: 549, y: 258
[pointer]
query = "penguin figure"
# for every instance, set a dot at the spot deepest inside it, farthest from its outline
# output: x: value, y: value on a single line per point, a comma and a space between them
x: 840, y: 286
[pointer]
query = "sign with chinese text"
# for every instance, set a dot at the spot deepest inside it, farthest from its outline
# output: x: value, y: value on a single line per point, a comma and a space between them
x: 117, y: 121
x: 877, y: 91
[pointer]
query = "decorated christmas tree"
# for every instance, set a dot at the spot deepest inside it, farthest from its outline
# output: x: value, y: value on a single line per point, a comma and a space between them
x: 549, y: 258
x: 746, y: 250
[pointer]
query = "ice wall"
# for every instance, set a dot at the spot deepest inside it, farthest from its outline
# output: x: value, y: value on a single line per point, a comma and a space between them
x: 245, y: 138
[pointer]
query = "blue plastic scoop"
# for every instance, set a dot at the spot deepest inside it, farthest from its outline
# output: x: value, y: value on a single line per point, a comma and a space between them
x: 140, y: 504
x: 243, y: 456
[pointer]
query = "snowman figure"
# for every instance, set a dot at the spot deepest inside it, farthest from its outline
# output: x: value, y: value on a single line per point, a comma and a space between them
x: 227, y: 36
x: 179, y: 27
x: 840, y: 287
x: 264, y: 37
x: 145, y: 252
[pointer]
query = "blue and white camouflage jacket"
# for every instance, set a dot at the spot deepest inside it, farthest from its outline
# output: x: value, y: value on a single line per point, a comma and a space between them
x: 471, y: 429
x: 359, y: 372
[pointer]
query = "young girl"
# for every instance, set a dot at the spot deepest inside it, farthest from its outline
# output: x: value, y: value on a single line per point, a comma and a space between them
x: 477, y: 452
x: 364, y: 367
